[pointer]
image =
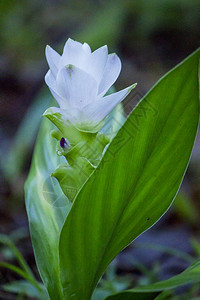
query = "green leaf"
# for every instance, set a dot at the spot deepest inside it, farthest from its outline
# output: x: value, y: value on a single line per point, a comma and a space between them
x: 25, y: 272
x: 47, y: 208
x: 25, y: 288
x: 15, y: 269
x: 133, y: 296
x: 8, y: 242
x: 190, y: 275
x: 135, y: 182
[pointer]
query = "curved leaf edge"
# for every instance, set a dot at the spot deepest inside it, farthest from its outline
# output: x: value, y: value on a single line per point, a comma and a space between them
x: 190, y: 275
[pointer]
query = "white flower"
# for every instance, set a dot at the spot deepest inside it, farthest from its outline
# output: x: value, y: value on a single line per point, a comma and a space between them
x: 79, y: 79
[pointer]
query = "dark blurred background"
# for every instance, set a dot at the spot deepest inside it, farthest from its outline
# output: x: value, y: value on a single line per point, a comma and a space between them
x: 150, y: 37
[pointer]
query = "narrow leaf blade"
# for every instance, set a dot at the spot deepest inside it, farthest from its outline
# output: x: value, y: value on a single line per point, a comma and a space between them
x: 190, y: 275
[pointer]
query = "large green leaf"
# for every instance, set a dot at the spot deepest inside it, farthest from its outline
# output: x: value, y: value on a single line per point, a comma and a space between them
x: 47, y: 208
x: 135, y: 182
x: 190, y: 275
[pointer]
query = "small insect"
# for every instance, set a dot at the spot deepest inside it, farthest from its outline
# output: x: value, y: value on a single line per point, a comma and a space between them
x: 64, y: 143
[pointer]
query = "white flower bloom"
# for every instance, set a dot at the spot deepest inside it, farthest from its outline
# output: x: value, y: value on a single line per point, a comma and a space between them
x: 79, y: 79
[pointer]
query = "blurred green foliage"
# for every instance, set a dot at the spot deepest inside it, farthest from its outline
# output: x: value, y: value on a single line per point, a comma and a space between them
x: 144, y: 33
x: 27, y: 26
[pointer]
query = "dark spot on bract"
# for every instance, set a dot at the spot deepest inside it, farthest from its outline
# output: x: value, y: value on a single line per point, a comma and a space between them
x: 62, y: 143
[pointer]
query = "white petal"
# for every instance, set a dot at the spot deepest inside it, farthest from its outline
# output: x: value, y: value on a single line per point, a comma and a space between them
x: 53, y: 59
x: 97, y: 111
x: 50, y: 81
x: 72, y: 44
x: 86, y: 48
x: 110, y: 74
x: 77, y: 86
x: 97, y: 62
x: 74, y: 53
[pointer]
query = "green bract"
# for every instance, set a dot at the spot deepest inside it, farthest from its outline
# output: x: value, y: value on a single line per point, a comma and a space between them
x: 130, y: 189
x: 82, y: 155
